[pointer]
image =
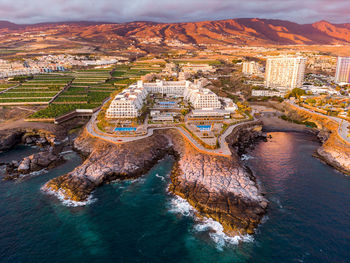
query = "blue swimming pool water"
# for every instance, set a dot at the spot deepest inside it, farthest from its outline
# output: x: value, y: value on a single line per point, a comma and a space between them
x: 204, y: 127
x: 166, y: 102
x: 125, y: 129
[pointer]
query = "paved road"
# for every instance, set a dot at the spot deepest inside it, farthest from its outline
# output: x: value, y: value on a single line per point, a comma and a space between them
x: 223, y: 150
x: 343, y: 124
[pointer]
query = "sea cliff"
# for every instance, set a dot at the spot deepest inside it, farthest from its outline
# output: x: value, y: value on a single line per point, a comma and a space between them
x: 218, y: 187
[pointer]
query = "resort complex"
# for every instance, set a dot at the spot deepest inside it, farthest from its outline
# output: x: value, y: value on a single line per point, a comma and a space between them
x: 129, y: 102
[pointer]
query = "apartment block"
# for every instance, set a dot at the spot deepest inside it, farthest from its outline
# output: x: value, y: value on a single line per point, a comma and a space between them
x: 285, y: 72
x: 251, y: 68
x: 342, y: 75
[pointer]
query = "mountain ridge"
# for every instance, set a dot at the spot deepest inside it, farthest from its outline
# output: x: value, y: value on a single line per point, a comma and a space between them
x: 239, y: 31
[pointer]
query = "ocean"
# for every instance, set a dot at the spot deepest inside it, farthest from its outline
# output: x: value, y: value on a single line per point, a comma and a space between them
x: 139, y: 221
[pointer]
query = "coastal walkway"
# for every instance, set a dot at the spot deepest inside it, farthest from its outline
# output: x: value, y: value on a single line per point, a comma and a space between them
x: 342, y: 124
x: 223, y: 150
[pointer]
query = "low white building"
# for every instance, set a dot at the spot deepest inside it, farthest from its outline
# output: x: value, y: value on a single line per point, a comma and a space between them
x: 267, y: 93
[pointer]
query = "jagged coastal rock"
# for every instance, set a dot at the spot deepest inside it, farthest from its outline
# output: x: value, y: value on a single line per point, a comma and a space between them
x: 108, y: 162
x: 35, y: 162
x: 218, y: 187
x: 48, y: 156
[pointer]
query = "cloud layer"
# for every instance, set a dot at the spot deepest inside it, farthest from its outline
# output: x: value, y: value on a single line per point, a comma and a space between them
x: 301, y: 11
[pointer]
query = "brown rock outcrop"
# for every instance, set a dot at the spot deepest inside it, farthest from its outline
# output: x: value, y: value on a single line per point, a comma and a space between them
x: 218, y: 187
x: 108, y: 162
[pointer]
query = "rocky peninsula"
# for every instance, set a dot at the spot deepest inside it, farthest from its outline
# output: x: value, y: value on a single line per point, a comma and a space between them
x: 218, y: 187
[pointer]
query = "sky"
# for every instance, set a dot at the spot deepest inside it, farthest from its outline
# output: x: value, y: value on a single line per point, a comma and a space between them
x: 300, y: 11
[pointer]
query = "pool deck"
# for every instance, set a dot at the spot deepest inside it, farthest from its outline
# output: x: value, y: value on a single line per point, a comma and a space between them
x: 224, y: 149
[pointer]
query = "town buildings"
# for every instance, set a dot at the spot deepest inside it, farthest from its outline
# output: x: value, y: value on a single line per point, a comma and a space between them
x: 285, y: 72
x: 267, y: 93
x: 342, y: 75
x: 251, y: 68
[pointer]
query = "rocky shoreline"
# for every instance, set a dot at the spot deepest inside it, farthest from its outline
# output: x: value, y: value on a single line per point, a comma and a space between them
x: 48, y: 155
x: 218, y: 187
x: 334, y: 151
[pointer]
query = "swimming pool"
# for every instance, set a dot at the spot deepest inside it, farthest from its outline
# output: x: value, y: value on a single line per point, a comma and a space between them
x: 204, y: 127
x: 124, y: 129
x: 166, y: 102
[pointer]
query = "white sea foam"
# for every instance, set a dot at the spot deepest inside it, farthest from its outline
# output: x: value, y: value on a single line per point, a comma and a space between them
x: 161, y: 177
x: 216, y: 233
x: 216, y: 230
x: 32, y: 174
x: 67, y: 202
x: 246, y: 157
x: 179, y: 205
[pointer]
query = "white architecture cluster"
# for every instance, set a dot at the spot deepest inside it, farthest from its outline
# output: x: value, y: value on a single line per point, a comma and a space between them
x: 168, y: 88
x: 267, y: 93
x: 201, y: 98
x: 318, y: 90
x: 342, y: 75
x: 251, y: 68
x: 285, y: 72
x: 194, y: 68
x: 49, y: 63
x: 129, y: 102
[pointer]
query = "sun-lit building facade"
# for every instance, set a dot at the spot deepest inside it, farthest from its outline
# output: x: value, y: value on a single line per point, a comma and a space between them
x: 285, y: 72
x: 342, y: 75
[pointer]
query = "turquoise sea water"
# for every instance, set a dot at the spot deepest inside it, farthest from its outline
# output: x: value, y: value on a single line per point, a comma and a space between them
x: 138, y: 221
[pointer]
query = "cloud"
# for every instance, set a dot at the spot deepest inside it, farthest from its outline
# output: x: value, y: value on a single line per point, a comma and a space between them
x: 301, y: 11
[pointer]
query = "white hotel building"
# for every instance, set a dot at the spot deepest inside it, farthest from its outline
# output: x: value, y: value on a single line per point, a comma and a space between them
x: 201, y: 98
x: 285, y: 72
x: 129, y: 102
x: 342, y: 75
x: 251, y: 68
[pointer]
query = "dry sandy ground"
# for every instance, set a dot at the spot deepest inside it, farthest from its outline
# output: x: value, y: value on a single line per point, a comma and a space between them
x: 13, y: 117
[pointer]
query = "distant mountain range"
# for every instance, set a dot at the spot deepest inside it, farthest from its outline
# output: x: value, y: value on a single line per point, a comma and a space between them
x: 248, y: 31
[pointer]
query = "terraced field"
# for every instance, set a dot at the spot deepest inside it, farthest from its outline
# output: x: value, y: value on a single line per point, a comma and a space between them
x: 39, y: 90
x: 90, y: 88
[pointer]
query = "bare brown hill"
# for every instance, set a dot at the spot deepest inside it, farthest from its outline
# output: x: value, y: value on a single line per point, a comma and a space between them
x: 245, y: 31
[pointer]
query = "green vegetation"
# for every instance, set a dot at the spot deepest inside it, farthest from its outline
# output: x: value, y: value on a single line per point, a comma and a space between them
x: 88, y: 89
x: 55, y: 110
x: 296, y: 92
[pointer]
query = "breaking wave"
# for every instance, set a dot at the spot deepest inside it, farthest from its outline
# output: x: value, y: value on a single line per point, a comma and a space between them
x: 216, y: 231
x: 67, y: 202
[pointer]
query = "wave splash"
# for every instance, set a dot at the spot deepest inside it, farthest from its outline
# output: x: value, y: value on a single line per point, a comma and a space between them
x: 246, y: 157
x: 67, y: 202
x: 216, y: 231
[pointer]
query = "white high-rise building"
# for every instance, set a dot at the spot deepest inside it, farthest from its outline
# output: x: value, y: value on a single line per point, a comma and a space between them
x: 285, y: 72
x: 342, y: 75
x: 251, y: 68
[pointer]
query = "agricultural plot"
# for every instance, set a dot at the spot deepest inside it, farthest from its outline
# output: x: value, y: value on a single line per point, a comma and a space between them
x: 39, y: 90
x: 90, y: 88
